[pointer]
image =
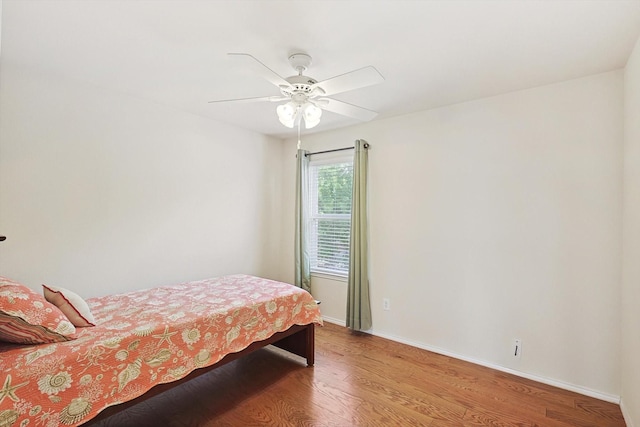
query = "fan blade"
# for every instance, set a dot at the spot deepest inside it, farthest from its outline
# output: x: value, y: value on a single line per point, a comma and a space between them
x: 346, y: 109
x: 258, y: 99
x: 363, y: 77
x: 252, y: 63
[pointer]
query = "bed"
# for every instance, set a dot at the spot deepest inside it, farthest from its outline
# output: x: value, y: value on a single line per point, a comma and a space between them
x: 146, y: 341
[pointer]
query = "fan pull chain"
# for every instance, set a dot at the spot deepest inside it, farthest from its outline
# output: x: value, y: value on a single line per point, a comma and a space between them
x: 299, y: 134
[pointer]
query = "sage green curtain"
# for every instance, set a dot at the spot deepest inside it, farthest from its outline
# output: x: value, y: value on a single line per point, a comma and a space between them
x: 302, y: 273
x: 358, y: 302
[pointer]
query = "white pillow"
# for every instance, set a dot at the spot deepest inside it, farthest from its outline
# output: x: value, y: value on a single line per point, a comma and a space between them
x: 71, y: 304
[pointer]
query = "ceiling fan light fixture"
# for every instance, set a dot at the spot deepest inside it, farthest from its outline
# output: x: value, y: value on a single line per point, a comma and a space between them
x: 311, y: 114
x: 287, y: 113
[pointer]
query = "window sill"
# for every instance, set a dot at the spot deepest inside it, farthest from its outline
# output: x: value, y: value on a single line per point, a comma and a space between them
x: 329, y: 276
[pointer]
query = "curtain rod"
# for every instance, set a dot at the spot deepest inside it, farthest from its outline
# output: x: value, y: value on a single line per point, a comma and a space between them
x: 366, y: 145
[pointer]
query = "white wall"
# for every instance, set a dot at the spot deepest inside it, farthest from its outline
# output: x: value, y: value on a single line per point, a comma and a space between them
x: 103, y: 193
x: 631, y: 250
x: 493, y: 220
x: 0, y: 27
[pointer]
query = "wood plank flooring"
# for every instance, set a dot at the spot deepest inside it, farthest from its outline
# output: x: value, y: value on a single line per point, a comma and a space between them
x: 362, y: 380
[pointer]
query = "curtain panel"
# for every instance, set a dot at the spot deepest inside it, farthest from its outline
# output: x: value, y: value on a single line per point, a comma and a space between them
x: 358, y: 301
x: 302, y: 266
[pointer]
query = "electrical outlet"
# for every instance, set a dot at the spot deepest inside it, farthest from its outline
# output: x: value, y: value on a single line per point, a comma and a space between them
x: 386, y: 304
x: 516, y: 349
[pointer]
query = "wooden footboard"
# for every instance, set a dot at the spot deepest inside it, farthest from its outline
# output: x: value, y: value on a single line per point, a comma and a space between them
x: 298, y: 339
x: 301, y: 341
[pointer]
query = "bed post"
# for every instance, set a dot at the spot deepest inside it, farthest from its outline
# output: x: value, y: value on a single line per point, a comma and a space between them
x: 311, y: 342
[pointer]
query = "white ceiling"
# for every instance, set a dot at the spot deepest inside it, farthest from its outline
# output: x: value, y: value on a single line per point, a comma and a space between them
x: 431, y: 53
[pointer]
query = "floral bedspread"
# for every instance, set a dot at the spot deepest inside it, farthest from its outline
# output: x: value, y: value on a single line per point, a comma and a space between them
x: 142, y: 339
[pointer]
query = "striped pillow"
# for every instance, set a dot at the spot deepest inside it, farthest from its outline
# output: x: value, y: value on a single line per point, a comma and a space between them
x: 27, y: 318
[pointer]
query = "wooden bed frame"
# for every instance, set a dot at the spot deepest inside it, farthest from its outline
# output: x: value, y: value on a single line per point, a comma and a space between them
x: 298, y: 339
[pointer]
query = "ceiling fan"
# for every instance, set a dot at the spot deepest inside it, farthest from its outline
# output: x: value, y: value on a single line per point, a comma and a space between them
x: 306, y: 97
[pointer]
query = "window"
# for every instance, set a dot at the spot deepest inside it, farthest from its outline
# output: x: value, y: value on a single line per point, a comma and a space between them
x: 330, y: 215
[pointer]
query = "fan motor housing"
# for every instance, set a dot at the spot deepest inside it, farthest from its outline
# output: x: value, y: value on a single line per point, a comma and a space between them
x: 299, y: 85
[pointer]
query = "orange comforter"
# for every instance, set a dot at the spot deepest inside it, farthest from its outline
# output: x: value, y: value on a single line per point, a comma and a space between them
x: 142, y: 339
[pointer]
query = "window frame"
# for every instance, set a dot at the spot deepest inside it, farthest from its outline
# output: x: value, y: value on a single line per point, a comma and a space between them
x: 314, y: 216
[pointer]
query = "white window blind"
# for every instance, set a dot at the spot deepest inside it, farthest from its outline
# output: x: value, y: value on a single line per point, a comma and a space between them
x: 331, y: 187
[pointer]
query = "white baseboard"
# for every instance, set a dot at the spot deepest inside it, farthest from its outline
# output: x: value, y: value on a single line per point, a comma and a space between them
x: 555, y: 383
x: 334, y: 321
x: 627, y: 418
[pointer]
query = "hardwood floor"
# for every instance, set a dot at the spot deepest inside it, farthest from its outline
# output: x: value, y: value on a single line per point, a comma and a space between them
x: 362, y: 380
